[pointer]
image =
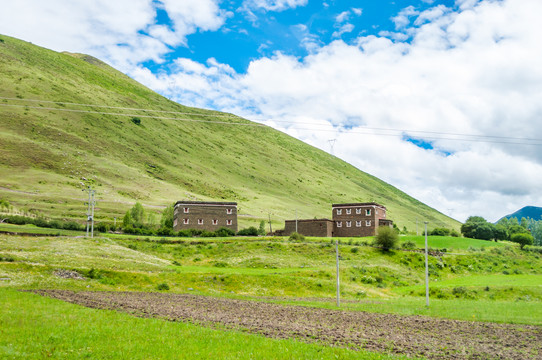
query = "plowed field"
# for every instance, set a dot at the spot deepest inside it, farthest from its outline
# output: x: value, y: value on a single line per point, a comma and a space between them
x: 409, y: 335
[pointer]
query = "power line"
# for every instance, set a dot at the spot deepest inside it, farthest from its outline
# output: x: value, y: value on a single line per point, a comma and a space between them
x: 368, y: 130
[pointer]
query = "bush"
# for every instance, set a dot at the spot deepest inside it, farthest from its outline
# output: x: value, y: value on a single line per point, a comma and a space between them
x: 102, y: 227
x: 224, y: 232
x: 72, y: 225
x: 164, y: 231
x: 162, y: 287
x: 387, y: 238
x: 408, y: 245
x: 440, y: 232
x: 251, y: 231
x: 296, y: 237
x: 454, y: 233
x: 522, y: 239
x: 184, y: 233
x: 136, y: 120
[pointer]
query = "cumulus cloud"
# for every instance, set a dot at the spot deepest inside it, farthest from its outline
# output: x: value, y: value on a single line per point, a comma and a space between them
x: 273, y: 5
x: 122, y: 32
x: 472, y: 72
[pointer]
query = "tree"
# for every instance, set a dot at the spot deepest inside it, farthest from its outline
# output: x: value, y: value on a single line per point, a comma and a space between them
x: 517, y: 229
x: 468, y: 229
x: 166, y: 221
x: 138, y: 215
x: 500, y: 232
x: 484, y: 231
x: 261, y: 230
x: 386, y: 238
x: 127, y: 219
x: 522, y: 239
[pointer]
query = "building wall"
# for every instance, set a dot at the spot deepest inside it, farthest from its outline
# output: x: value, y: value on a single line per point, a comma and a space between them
x: 209, y: 216
x: 357, y: 219
x: 313, y: 227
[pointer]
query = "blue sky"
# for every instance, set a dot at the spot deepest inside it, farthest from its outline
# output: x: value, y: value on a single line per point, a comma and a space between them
x: 442, y: 99
x: 250, y: 33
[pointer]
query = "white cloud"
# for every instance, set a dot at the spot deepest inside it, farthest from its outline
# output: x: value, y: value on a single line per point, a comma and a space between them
x: 273, y: 5
x: 121, y: 32
x: 346, y: 28
x: 470, y: 72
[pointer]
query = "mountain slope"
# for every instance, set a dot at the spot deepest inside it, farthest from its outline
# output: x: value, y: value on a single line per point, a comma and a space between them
x: 51, y: 148
x: 532, y: 212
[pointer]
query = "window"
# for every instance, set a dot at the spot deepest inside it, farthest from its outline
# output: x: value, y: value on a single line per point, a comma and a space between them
x: 358, y: 223
x: 368, y: 223
x: 175, y: 222
x: 358, y: 210
x: 229, y: 211
x: 349, y: 224
x: 368, y: 212
x: 215, y: 222
x: 186, y: 210
x: 200, y: 221
x: 229, y: 222
x: 348, y: 211
x: 339, y: 224
x: 339, y: 211
x: 186, y: 221
x: 176, y: 211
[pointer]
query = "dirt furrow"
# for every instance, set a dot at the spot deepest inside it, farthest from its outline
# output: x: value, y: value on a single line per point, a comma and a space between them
x: 410, y: 335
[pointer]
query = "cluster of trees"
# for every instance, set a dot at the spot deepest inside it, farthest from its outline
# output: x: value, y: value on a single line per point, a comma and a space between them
x: 476, y: 227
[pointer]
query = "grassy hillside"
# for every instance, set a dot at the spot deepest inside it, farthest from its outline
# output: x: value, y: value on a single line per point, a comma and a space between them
x: 51, y: 150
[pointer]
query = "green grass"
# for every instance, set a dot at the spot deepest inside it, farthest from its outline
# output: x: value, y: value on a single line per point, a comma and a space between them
x: 34, y: 327
x: 162, y: 160
x: 450, y: 242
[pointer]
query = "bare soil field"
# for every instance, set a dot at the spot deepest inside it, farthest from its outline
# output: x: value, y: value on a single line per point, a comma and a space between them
x: 408, y: 335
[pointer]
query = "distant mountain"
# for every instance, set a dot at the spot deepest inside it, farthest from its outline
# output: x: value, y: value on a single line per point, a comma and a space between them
x: 532, y: 212
x: 70, y: 120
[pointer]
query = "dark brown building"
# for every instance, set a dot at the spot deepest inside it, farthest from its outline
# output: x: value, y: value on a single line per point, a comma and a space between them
x: 201, y: 215
x: 311, y: 227
x: 358, y: 219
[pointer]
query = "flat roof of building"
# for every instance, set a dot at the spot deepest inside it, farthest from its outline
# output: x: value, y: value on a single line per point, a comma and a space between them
x: 309, y: 220
x: 215, y: 203
x: 359, y: 204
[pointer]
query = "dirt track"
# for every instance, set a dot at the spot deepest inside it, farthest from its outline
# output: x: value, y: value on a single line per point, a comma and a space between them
x: 408, y: 335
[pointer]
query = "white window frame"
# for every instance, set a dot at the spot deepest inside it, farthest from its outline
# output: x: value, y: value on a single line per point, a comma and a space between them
x: 367, y: 212
x: 186, y: 210
x: 358, y: 223
x: 368, y: 223
x: 348, y: 211
x: 200, y: 221
x: 229, y: 211
x: 175, y: 222
x: 349, y: 224
x: 339, y: 224
x: 229, y: 222
x: 339, y: 211
x: 186, y: 221
x: 215, y: 222
x: 358, y: 211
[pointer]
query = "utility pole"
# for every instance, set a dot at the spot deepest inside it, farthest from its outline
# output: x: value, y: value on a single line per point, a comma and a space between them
x: 270, y: 229
x: 426, y: 270
x: 90, y: 210
x: 337, y: 261
x: 331, y: 144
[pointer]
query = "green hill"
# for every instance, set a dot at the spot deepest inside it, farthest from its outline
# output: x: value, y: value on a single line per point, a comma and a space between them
x: 528, y: 212
x: 52, y: 148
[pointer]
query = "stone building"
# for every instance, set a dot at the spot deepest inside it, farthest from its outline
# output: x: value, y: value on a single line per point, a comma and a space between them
x: 311, y: 227
x: 358, y: 219
x: 201, y: 215
x: 349, y: 220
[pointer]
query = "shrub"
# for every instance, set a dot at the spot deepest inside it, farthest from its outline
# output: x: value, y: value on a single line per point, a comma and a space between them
x: 408, y: 245
x: 440, y: 232
x: 72, y: 225
x: 225, y: 232
x: 164, y: 231
x: 136, y: 120
x: 454, y: 233
x: 387, y: 238
x: 102, y: 227
x: 206, y: 233
x: 251, y: 231
x: 296, y: 237
x: 522, y: 239
x: 184, y: 233
x: 162, y: 287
